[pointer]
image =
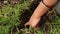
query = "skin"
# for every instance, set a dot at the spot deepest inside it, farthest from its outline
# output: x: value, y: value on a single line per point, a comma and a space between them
x: 39, y: 11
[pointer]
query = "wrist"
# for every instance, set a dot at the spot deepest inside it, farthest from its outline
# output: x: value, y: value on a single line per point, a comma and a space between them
x: 34, y: 18
x: 49, y: 3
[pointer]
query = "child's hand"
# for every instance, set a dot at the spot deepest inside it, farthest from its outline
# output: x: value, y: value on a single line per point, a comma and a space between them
x: 33, y: 23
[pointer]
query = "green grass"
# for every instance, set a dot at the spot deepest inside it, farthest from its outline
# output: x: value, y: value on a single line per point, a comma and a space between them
x: 9, y: 18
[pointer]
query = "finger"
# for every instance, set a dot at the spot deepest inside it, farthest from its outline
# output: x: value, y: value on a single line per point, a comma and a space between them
x: 35, y: 27
x: 26, y: 24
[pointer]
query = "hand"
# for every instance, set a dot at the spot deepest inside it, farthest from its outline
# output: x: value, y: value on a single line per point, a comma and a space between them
x: 33, y: 23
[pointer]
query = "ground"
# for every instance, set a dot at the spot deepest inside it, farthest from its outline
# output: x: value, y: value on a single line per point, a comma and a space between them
x: 14, y: 13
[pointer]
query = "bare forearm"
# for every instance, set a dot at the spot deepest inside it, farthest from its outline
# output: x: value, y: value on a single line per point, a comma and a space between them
x: 41, y: 9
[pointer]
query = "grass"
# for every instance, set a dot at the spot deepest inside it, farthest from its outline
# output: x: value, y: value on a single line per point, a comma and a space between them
x: 9, y: 18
